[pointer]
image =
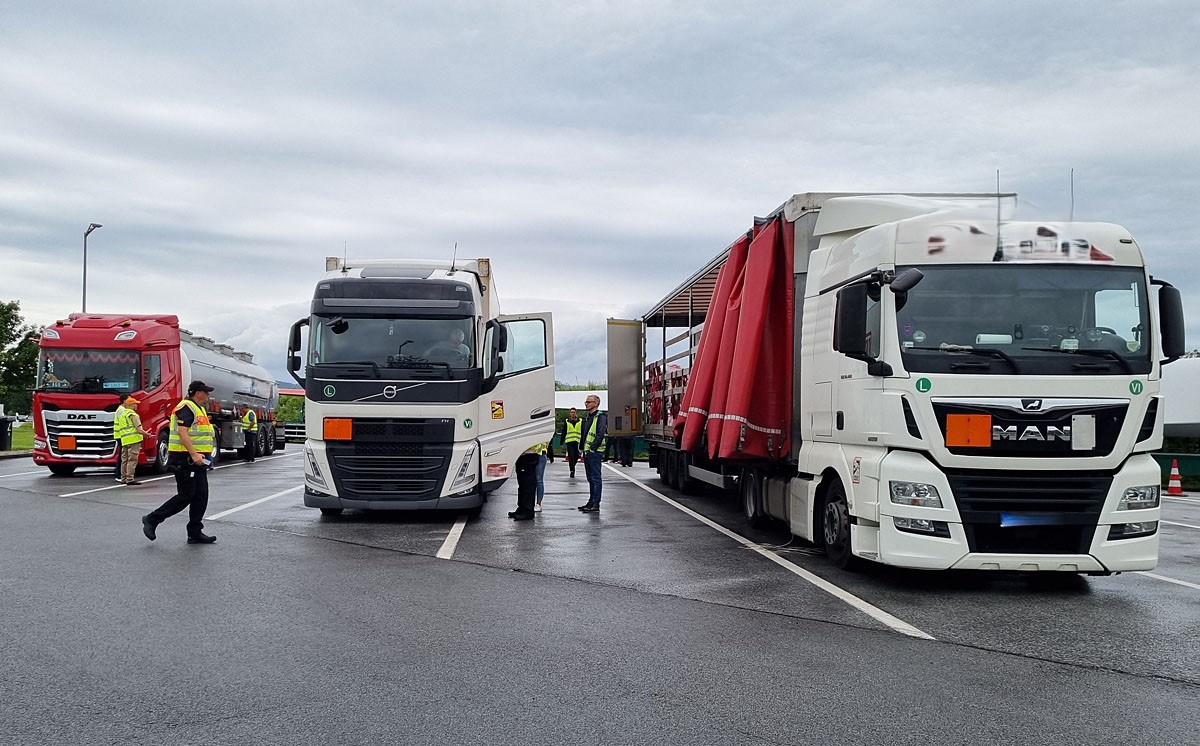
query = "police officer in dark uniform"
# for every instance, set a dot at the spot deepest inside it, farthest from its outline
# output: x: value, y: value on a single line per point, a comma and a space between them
x: 190, y: 456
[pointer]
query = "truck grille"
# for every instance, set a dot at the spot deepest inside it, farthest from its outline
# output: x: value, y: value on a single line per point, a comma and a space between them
x: 1032, y: 513
x: 92, y: 431
x: 391, y: 470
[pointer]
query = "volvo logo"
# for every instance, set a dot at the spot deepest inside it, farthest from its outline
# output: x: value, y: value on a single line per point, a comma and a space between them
x: 389, y: 392
x: 1031, y: 405
x: 1032, y: 432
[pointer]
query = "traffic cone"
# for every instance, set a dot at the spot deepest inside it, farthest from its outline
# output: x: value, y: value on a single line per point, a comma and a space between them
x: 1174, y: 487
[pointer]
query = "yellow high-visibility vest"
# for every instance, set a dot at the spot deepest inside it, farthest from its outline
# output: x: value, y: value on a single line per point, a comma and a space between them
x: 201, y: 432
x: 249, y: 421
x: 124, y: 431
x: 574, y: 431
x: 591, y: 434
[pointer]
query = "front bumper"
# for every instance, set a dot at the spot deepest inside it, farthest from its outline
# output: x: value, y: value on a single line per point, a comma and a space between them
x: 1093, y: 552
x: 461, y: 502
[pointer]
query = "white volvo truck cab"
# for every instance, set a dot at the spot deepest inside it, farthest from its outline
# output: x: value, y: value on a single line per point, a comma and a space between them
x: 419, y: 395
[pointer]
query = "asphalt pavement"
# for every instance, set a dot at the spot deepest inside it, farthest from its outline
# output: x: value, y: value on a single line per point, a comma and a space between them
x: 646, y: 623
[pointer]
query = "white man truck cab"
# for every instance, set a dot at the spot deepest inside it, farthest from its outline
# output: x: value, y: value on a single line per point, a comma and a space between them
x: 418, y: 394
x: 945, y: 388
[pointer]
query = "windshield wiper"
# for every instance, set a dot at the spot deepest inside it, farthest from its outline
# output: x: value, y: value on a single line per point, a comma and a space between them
x: 374, y: 365
x: 969, y: 350
x: 1089, y: 351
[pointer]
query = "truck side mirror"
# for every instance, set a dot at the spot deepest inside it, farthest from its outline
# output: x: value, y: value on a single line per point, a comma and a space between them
x: 850, y: 323
x: 1170, y: 316
x: 293, y: 360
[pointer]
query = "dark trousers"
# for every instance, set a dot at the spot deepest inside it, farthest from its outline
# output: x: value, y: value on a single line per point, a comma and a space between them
x: 191, y: 483
x: 572, y: 456
x: 117, y: 468
x: 625, y: 451
x: 526, y: 482
x: 251, y: 445
x: 591, y: 466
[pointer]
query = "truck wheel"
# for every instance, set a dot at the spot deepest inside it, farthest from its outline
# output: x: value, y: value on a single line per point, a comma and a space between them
x: 331, y: 512
x: 61, y: 470
x: 260, y: 447
x: 750, y: 489
x: 267, y: 438
x: 836, y: 523
x: 162, y: 449
x: 669, y: 468
x: 687, y: 485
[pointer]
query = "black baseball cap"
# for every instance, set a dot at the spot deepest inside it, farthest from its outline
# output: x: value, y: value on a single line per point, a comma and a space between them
x: 195, y: 386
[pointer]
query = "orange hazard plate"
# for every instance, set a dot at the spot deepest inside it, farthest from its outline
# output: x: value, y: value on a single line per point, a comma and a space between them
x: 969, y: 430
x: 66, y: 443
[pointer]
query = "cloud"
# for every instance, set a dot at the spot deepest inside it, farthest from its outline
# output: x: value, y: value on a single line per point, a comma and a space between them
x: 598, y: 152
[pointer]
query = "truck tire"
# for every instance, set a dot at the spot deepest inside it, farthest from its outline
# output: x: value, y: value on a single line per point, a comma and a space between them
x: 260, y: 445
x: 61, y: 470
x: 660, y: 467
x: 267, y: 437
x: 750, y: 491
x: 669, y: 468
x: 687, y: 485
x: 835, y: 523
x: 331, y: 512
x: 161, y: 451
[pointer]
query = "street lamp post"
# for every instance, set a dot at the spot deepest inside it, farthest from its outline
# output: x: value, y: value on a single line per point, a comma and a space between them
x: 91, y: 227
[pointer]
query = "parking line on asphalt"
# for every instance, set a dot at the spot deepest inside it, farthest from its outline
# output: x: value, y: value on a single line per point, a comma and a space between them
x: 171, y: 476
x: 252, y: 503
x: 451, y: 542
x: 1185, y: 525
x: 1181, y: 499
x: 894, y: 623
x: 21, y: 473
x: 1164, y: 578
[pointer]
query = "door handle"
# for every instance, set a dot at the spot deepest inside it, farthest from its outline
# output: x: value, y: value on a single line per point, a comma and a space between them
x: 539, y: 415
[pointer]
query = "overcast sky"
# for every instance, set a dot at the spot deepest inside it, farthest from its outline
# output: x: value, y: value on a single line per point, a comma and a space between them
x: 598, y: 152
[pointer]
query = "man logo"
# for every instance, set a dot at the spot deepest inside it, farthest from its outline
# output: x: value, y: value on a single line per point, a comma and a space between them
x: 1031, y: 405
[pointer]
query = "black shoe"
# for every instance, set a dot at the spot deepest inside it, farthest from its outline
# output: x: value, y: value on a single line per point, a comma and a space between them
x: 201, y: 538
x: 519, y: 516
x: 572, y: 475
x: 148, y: 525
x: 513, y: 513
x: 585, y: 507
x: 591, y: 508
x: 133, y: 481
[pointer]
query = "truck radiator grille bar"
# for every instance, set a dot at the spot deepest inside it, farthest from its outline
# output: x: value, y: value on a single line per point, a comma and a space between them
x: 1038, y: 513
x: 93, y: 437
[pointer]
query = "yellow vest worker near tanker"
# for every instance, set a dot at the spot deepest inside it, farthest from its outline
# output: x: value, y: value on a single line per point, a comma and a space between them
x: 128, y: 432
x: 250, y: 430
x: 190, y: 456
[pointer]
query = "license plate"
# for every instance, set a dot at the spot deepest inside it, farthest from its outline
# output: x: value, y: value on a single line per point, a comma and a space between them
x: 1012, y: 520
x: 66, y: 443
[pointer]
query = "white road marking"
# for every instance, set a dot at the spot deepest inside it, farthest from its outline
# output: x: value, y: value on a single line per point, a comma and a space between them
x: 865, y: 607
x: 252, y: 503
x: 171, y: 476
x: 451, y: 542
x: 1170, y: 580
x: 1181, y: 499
x: 1185, y: 525
x: 23, y: 473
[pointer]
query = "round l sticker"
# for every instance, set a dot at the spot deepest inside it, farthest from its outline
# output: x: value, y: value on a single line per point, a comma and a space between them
x: 924, y: 385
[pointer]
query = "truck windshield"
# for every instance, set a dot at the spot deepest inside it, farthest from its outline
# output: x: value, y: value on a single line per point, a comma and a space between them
x: 89, y: 371
x: 1028, y: 319
x: 393, y: 342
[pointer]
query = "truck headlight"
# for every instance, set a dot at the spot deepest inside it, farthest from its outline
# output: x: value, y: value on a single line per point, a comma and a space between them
x: 1132, y: 530
x: 465, y: 475
x: 915, y: 493
x: 1139, y: 498
x: 313, y: 473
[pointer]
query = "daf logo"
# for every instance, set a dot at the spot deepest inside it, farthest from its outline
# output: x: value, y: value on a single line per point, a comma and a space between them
x: 1031, y: 405
x: 389, y: 392
x: 1032, y: 432
x: 82, y: 416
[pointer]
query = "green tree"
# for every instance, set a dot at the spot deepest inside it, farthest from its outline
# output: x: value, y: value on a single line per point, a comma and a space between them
x: 18, y: 359
x: 290, y: 409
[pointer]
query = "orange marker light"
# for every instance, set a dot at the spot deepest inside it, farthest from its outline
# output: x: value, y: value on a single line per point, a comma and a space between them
x: 337, y: 428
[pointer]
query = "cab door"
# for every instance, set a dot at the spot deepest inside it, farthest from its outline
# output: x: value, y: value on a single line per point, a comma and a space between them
x: 517, y: 408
